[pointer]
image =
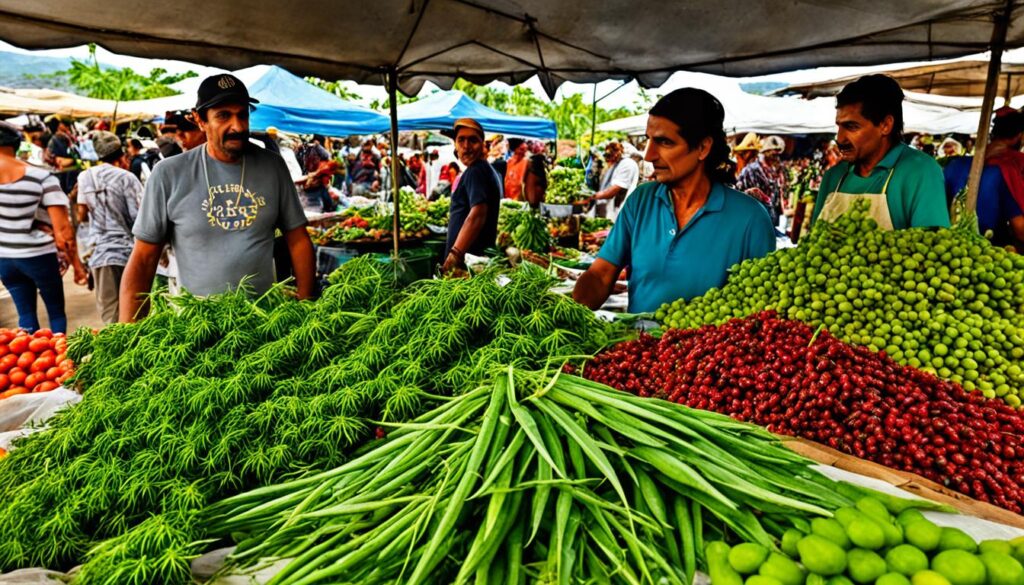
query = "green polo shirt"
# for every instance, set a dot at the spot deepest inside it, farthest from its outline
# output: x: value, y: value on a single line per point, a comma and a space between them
x: 916, y: 193
x: 667, y: 263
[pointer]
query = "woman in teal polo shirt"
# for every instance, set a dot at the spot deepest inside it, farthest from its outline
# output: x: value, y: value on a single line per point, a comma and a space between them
x: 679, y: 235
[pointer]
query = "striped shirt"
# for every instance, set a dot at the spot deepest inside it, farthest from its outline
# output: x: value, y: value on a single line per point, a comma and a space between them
x: 112, y: 196
x: 22, y: 209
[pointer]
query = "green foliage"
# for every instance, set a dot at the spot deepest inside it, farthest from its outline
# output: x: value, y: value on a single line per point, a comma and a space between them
x: 208, y: 397
x: 337, y: 88
x: 92, y: 80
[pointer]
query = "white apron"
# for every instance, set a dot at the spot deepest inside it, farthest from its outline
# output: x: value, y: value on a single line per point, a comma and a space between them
x: 837, y: 203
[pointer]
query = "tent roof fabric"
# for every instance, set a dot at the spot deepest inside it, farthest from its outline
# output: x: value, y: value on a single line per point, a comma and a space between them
x: 48, y: 101
x: 955, y: 78
x: 511, y: 40
x: 440, y: 110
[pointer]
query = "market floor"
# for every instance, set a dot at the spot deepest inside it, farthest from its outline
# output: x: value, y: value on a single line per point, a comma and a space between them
x: 79, y: 305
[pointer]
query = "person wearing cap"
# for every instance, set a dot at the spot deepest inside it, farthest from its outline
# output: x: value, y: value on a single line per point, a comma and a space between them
x: 903, y: 187
x: 763, y: 177
x: 473, y: 211
x: 219, y: 206
x: 620, y: 177
x: 108, y: 198
x: 186, y: 131
x: 34, y: 226
x: 678, y: 236
x: 60, y: 151
x: 746, y: 151
x: 1001, y: 192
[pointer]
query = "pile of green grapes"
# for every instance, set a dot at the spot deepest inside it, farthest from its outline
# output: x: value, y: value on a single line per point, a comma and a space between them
x: 945, y: 301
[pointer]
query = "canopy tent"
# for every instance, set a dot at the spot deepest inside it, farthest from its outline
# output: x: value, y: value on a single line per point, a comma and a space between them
x: 48, y: 101
x: 959, y: 78
x: 404, y: 43
x: 484, y: 40
x: 287, y: 102
x: 440, y: 111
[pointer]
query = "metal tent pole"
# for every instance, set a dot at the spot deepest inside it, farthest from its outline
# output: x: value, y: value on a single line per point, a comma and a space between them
x: 393, y: 107
x: 1002, y: 20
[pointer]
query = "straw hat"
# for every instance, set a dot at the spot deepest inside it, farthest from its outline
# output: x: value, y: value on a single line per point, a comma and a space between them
x: 773, y: 143
x: 749, y: 142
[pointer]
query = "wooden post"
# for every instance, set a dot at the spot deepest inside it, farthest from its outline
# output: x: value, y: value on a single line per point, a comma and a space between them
x: 396, y: 231
x: 1002, y: 20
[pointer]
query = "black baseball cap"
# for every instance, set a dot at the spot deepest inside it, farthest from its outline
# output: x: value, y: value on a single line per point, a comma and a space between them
x: 181, y: 120
x: 218, y: 89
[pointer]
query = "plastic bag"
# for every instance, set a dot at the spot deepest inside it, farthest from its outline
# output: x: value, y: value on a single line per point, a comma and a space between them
x: 19, y: 411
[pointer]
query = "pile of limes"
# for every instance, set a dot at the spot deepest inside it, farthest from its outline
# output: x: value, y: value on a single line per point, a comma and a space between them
x: 866, y: 545
x: 945, y: 301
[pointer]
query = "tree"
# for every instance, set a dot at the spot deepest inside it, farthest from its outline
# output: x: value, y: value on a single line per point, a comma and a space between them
x: 337, y: 88
x: 110, y: 83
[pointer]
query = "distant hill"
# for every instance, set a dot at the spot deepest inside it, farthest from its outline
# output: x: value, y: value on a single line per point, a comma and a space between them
x: 762, y: 87
x: 15, y: 69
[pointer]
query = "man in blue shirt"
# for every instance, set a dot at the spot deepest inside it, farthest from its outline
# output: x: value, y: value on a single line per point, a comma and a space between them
x: 679, y: 235
x: 473, y: 211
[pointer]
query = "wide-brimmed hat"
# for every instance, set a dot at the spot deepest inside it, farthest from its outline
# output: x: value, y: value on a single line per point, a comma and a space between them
x: 773, y: 143
x: 749, y: 142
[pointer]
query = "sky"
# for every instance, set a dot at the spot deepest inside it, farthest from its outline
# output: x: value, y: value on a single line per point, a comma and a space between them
x: 626, y: 96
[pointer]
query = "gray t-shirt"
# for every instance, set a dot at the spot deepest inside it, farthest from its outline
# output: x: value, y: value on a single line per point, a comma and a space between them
x: 224, y: 232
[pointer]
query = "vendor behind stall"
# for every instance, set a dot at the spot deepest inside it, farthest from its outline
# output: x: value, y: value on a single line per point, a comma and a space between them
x: 679, y: 235
x: 904, y: 187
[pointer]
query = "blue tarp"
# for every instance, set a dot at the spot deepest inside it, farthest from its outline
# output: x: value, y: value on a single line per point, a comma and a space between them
x: 291, y: 104
x: 440, y: 110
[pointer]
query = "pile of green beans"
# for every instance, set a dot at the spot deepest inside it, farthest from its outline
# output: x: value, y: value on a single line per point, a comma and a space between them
x: 532, y: 478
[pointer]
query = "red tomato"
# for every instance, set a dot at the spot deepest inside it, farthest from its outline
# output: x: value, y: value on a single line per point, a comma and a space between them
x: 7, y: 362
x: 66, y: 365
x: 61, y: 357
x: 54, y: 373
x: 4, y: 350
x: 33, y: 380
x: 43, y: 333
x: 43, y: 363
x: 19, y: 344
x: 5, y: 337
x: 25, y: 360
x: 46, y: 386
x: 17, y: 377
x: 5, y: 381
x: 13, y: 392
x: 38, y: 345
x: 65, y: 377
x: 48, y: 352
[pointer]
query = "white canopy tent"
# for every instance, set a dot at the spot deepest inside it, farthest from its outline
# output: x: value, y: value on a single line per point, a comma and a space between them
x: 745, y: 112
x: 403, y: 43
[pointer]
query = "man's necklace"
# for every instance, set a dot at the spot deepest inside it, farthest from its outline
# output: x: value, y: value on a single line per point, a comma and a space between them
x: 241, y: 180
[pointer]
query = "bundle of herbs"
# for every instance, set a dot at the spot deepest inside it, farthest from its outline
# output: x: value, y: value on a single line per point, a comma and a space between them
x: 206, y: 398
x: 532, y: 479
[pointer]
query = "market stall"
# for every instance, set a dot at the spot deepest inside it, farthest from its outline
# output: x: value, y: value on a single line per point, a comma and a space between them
x: 438, y: 434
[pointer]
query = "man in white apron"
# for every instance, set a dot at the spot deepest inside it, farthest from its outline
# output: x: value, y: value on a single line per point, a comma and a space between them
x: 904, y: 187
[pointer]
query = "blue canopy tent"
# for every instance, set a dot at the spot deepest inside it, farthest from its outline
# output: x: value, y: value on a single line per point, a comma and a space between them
x: 289, y: 103
x: 440, y: 111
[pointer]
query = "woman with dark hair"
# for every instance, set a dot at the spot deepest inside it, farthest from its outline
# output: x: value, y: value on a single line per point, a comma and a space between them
x: 679, y: 234
x: 535, y: 181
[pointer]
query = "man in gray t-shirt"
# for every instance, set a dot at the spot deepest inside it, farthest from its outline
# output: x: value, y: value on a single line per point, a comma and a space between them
x: 219, y: 206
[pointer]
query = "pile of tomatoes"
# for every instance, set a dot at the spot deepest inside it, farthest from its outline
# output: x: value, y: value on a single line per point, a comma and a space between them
x: 32, y: 362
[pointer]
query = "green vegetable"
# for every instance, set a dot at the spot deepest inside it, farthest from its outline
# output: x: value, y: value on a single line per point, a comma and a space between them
x: 960, y: 567
x: 821, y: 556
x: 573, y: 479
x: 565, y: 186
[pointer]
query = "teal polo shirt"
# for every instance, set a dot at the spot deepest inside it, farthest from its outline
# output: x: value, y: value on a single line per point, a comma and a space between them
x: 916, y: 193
x: 667, y: 262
